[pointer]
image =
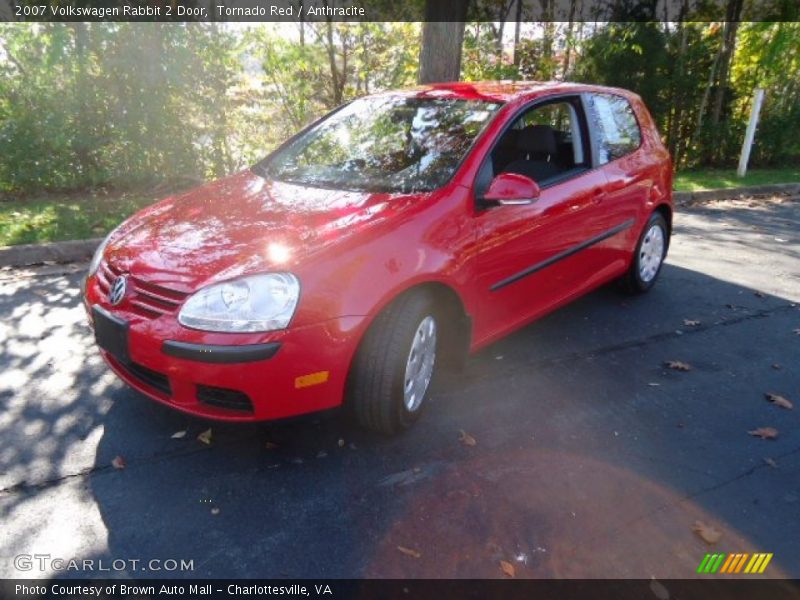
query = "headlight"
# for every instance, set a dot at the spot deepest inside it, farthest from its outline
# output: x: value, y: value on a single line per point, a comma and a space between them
x: 256, y: 303
x: 98, y: 254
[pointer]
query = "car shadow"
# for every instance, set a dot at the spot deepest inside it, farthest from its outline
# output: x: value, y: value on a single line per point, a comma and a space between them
x: 590, y: 458
x: 566, y: 449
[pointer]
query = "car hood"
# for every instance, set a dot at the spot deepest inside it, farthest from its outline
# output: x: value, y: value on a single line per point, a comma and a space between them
x: 242, y: 224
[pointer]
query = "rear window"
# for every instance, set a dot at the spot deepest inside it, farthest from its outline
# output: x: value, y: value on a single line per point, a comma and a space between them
x: 616, y: 126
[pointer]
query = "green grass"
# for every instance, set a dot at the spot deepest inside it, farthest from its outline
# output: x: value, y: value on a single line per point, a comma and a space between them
x: 55, y: 218
x: 713, y: 179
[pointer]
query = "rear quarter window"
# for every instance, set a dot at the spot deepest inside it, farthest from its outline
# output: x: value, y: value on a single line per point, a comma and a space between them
x: 615, y: 125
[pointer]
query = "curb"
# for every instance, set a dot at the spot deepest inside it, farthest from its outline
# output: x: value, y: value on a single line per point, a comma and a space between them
x: 56, y: 252
x: 691, y: 198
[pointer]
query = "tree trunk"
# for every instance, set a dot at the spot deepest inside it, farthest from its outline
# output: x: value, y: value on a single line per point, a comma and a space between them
x: 701, y: 111
x: 336, y: 83
x: 726, y: 55
x: 568, y: 41
x: 302, y: 16
x: 440, y: 54
x: 517, y: 26
x: 676, y: 108
x: 80, y: 142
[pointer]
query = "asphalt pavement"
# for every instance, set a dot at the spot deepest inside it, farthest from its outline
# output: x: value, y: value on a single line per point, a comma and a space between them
x: 568, y: 449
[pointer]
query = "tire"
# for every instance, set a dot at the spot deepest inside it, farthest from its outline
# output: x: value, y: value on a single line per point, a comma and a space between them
x: 377, y: 382
x: 647, y: 260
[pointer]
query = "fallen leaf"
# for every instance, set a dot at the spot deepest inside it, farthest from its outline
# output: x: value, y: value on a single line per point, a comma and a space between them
x: 760, y: 294
x: 118, y: 462
x: 765, y: 433
x: 706, y: 532
x: 777, y: 366
x: 779, y: 400
x: 691, y: 323
x: 797, y: 331
x: 270, y: 445
x: 178, y: 435
x: 677, y: 365
x: 341, y: 443
x: 508, y: 568
x: 322, y: 454
x: 466, y: 439
x: 771, y: 462
x: 409, y: 552
x: 205, y: 437
x: 215, y: 511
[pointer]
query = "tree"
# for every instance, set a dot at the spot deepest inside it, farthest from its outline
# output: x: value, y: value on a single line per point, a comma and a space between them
x: 440, y: 54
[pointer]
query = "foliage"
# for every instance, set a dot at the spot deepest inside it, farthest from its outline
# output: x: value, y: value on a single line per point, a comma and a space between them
x: 628, y: 55
x: 677, y: 69
x: 84, y: 105
x: 768, y: 57
x: 88, y: 105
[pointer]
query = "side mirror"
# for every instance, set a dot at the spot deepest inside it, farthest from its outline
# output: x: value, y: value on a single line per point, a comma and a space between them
x: 510, y: 189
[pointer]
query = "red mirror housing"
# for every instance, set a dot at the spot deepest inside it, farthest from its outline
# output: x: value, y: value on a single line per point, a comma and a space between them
x: 511, y: 188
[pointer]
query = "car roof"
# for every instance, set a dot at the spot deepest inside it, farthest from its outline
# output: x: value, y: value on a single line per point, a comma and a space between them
x: 504, y: 91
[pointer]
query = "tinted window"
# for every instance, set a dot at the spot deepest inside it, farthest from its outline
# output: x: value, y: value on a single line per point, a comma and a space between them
x: 545, y: 143
x: 556, y: 116
x: 385, y: 143
x: 615, y: 125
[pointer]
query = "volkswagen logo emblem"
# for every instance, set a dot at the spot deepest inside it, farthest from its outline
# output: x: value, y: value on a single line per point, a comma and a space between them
x: 117, y: 292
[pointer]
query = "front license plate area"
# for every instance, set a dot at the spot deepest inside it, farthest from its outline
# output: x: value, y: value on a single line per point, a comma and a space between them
x: 111, y: 334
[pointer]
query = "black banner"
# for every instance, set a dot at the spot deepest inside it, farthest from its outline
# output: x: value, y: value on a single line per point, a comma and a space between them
x: 508, y: 589
x: 395, y: 10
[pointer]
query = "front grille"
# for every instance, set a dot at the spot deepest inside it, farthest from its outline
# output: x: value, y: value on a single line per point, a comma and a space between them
x: 224, y: 398
x: 147, y: 299
x: 151, y: 378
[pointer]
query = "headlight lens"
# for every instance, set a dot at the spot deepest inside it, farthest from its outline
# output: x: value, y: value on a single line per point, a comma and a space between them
x: 256, y: 303
x: 98, y: 254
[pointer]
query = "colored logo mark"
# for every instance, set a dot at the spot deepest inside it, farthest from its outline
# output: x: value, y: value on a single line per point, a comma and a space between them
x: 734, y: 563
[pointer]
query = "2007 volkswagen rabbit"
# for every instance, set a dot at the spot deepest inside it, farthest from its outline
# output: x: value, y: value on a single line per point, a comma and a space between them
x: 386, y: 239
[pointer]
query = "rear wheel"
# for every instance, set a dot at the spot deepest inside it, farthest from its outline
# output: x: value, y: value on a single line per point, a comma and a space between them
x: 649, y: 256
x: 393, y: 369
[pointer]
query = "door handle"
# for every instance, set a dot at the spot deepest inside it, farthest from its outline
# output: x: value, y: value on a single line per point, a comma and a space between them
x: 598, y: 195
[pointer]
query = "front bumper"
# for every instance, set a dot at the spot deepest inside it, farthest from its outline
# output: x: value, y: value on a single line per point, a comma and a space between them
x: 232, y: 377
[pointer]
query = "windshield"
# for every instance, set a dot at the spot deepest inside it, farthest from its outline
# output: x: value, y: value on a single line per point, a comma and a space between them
x: 384, y: 144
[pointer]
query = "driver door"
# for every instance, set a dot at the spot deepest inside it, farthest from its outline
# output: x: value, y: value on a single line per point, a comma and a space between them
x: 529, y: 256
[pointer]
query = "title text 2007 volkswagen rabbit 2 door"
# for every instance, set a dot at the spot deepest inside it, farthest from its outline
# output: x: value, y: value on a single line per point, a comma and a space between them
x: 380, y: 243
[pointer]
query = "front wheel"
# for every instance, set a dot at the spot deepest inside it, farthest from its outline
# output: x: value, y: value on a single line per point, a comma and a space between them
x: 393, y: 369
x: 649, y: 256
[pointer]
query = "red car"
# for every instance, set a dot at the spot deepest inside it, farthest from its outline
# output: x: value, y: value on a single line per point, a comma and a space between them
x: 380, y: 243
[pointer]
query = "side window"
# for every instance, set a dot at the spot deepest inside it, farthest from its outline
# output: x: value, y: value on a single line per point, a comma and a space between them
x: 546, y: 143
x: 617, y: 130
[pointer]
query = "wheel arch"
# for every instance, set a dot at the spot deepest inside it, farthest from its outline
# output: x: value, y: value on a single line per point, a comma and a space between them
x: 666, y: 211
x: 457, y: 329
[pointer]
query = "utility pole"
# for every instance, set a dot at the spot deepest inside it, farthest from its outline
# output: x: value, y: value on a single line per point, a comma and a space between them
x: 744, y: 157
